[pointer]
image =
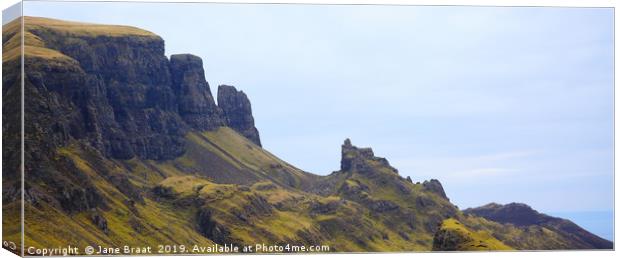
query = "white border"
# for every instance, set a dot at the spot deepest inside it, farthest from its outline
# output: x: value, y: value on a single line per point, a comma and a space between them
x: 568, y: 3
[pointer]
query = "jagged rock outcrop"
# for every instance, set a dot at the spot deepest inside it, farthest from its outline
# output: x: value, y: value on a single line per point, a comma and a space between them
x: 383, y: 206
x: 256, y: 207
x: 196, y: 104
x: 211, y: 228
x: 326, y: 208
x: 124, y: 185
x: 99, y: 221
x: 237, y: 111
x: 372, y: 182
x: 360, y: 159
x: 409, y: 179
x: 434, y: 186
x: 119, y: 93
x: 449, y: 240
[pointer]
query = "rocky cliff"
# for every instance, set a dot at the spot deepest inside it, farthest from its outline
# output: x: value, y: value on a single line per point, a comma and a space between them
x: 124, y: 146
x: 115, y: 88
x: 195, y: 103
x: 237, y: 112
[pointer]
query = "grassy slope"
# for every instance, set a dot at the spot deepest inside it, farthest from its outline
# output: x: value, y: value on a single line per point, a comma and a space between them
x: 348, y: 226
x: 523, y: 238
x: 469, y: 239
x: 35, y: 47
x: 283, y: 228
x: 292, y: 219
x: 224, y: 156
x: 421, y: 234
x: 151, y: 223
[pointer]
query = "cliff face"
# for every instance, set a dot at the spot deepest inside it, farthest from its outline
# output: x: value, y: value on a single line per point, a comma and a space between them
x: 195, y: 102
x: 124, y: 146
x: 238, y: 112
x: 123, y: 94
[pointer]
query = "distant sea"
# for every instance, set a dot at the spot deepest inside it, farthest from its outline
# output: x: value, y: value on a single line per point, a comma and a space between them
x: 600, y: 223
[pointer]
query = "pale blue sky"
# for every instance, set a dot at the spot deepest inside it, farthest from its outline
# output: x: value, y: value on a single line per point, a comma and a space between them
x: 501, y: 104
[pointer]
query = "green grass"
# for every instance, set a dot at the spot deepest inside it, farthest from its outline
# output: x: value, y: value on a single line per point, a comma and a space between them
x: 185, y: 185
x: 163, y: 221
x: 11, y: 223
x: 475, y: 240
x: 529, y: 238
x: 244, y: 150
x: 80, y: 28
x: 35, y: 47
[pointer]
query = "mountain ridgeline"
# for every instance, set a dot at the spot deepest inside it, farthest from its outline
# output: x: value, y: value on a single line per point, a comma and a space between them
x: 125, y: 146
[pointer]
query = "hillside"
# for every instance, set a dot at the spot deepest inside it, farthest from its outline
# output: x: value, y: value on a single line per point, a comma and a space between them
x: 454, y: 236
x: 125, y: 146
x: 521, y: 216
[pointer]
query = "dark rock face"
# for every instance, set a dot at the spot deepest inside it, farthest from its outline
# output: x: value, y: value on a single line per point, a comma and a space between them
x: 125, y: 186
x: 383, y: 206
x: 325, y: 208
x: 122, y: 96
x: 522, y: 215
x: 75, y: 199
x: 164, y: 192
x: 409, y: 179
x: 435, y: 186
x: 238, y: 112
x: 256, y: 208
x: 116, y: 95
x: 448, y: 240
x: 359, y: 159
x: 196, y: 104
x: 210, y: 228
x: 100, y: 221
x: 310, y: 238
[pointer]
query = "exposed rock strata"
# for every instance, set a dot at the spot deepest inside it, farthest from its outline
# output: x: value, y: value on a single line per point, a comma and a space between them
x: 238, y: 112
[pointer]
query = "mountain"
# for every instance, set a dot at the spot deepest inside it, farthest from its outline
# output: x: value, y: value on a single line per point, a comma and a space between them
x: 125, y: 146
x: 523, y: 216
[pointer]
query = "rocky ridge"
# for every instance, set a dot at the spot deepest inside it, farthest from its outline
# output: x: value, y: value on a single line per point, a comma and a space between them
x: 123, y: 95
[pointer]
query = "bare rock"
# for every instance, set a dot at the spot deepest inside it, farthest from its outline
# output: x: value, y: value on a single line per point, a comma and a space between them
x: 237, y: 112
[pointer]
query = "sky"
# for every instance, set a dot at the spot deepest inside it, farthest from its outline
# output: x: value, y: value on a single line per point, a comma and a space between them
x: 11, y: 13
x: 501, y: 104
